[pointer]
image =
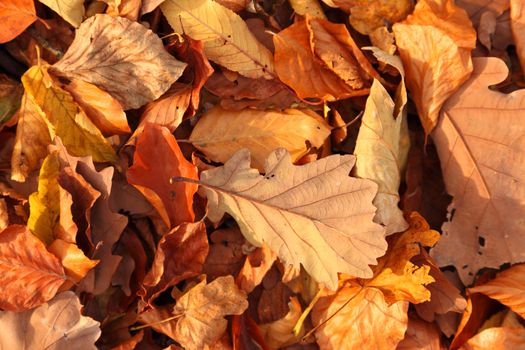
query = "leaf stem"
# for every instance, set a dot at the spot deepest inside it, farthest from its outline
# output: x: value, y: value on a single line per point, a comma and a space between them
x: 299, y: 324
x: 156, y: 323
x: 175, y: 179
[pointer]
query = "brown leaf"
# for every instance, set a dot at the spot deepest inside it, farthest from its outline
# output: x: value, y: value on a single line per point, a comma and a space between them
x: 118, y: 56
x: 56, y: 325
x: 435, y: 44
x: 278, y: 334
x: 30, y: 275
x: 319, y: 59
x: 517, y: 15
x: 11, y: 93
x: 158, y: 150
x: 255, y: 267
x: 226, y: 255
x: 180, y: 255
x: 15, y: 16
x: 481, y: 159
x: 421, y: 335
x: 497, y: 338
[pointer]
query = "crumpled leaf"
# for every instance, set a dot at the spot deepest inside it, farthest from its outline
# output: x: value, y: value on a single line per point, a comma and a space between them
x: 319, y: 59
x: 15, y: 16
x: 255, y: 268
x: 361, y: 320
x: 29, y: 274
x: 225, y: 256
x: 421, y: 335
x: 517, y: 16
x: 11, y: 93
x: 158, y: 150
x: 312, y: 215
x: 76, y: 264
x: 279, y: 333
x: 64, y: 117
x: 508, y: 288
x: 226, y: 37
x: 56, y: 325
x: 481, y: 158
x: 70, y: 10
x: 435, y: 44
x: 120, y: 56
x: 220, y: 133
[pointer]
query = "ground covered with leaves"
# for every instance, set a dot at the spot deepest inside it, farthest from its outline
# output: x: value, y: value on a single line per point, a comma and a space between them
x: 258, y: 174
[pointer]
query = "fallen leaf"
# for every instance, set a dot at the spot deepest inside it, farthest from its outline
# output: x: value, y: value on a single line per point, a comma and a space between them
x: 255, y: 267
x: 279, y: 334
x: 225, y: 255
x: 504, y: 338
x: 180, y: 255
x: 76, y: 264
x: 68, y: 120
x: 312, y: 215
x: 517, y: 16
x: 56, y: 325
x: 481, y: 157
x: 435, y: 44
x: 158, y: 150
x: 359, y: 319
x: 11, y: 92
x: 124, y: 8
x: 117, y: 55
x: 220, y: 133
x: 319, y: 59
x: 70, y: 10
x: 226, y: 37
x: 308, y: 7
x: 421, y: 335
x: 30, y: 274
x: 508, y: 288
x: 16, y: 16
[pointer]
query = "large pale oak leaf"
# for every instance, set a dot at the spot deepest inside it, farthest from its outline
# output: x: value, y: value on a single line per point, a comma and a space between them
x: 29, y: 274
x: 15, y: 16
x: 121, y: 57
x: 226, y: 37
x: 313, y: 215
x: 481, y: 144
x: 220, y: 133
x: 56, y: 325
x: 435, y: 44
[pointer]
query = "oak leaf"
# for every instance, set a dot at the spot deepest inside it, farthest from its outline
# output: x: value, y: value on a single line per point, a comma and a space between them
x: 118, y: 56
x: 56, y: 325
x: 220, y: 133
x: 226, y: 37
x: 313, y: 215
x: 158, y: 150
x: 435, y: 44
x: 15, y: 16
x: 30, y: 275
x: 481, y: 158
x: 70, y: 10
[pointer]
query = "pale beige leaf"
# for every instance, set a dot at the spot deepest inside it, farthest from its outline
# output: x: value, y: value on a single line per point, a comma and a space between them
x: 220, y: 133
x: 70, y: 10
x: 362, y: 320
x: 226, y: 37
x: 308, y: 7
x: 481, y: 144
x: 508, y: 288
x: 435, y: 44
x: 122, y: 57
x: 56, y: 325
x: 202, y: 310
x: 313, y: 215
x: 379, y: 155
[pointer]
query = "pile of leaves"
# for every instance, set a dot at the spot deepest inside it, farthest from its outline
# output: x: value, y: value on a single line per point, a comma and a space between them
x: 262, y: 174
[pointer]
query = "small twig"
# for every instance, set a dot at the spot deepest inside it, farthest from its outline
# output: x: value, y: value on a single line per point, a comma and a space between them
x: 351, y: 121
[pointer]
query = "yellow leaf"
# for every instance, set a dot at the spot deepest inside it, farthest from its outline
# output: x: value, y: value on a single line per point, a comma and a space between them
x: 220, y: 133
x: 75, y: 263
x: 226, y: 37
x: 70, y: 10
x: 310, y: 7
x: 78, y: 133
x: 278, y: 334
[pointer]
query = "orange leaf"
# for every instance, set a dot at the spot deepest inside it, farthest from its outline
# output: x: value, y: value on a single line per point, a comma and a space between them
x: 421, y: 335
x: 15, y: 16
x: 517, y: 16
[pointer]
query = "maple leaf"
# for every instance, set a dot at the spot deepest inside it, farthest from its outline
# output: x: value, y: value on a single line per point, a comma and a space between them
x: 16, y: 16
x: 56, y: 325
x: 226, y: 37
x: 312, y: 215
x: 480, y: 158
x: 118, y: 55
x: 30, y: 275
x: 220, y: 133
x: 435, y: 43
x: 70, y: 10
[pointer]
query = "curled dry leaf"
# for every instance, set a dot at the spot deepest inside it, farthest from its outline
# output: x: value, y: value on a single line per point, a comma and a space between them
x: 308, y: 7
x: 220, y: 133
x: 255, y: 267
x: 421, y: 335
x: 70, y: 10
x: 481, y: 158
x: 11, y: 93
x: 226, y: 37
x: 15, y: 16
x: 158, y: 149
x: 435, y: 44
x: 30, y: 275
x: 120, y: 56
x: 76, y: 264
x: 279, y: 333
x: 313, y: 215
x: 504, y: 338
x: 517, y: 16
x: 508, y: 288
x: 56, y: 325
x: 319, y: 59
x: 225, y: 255
x: 353, y: 308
